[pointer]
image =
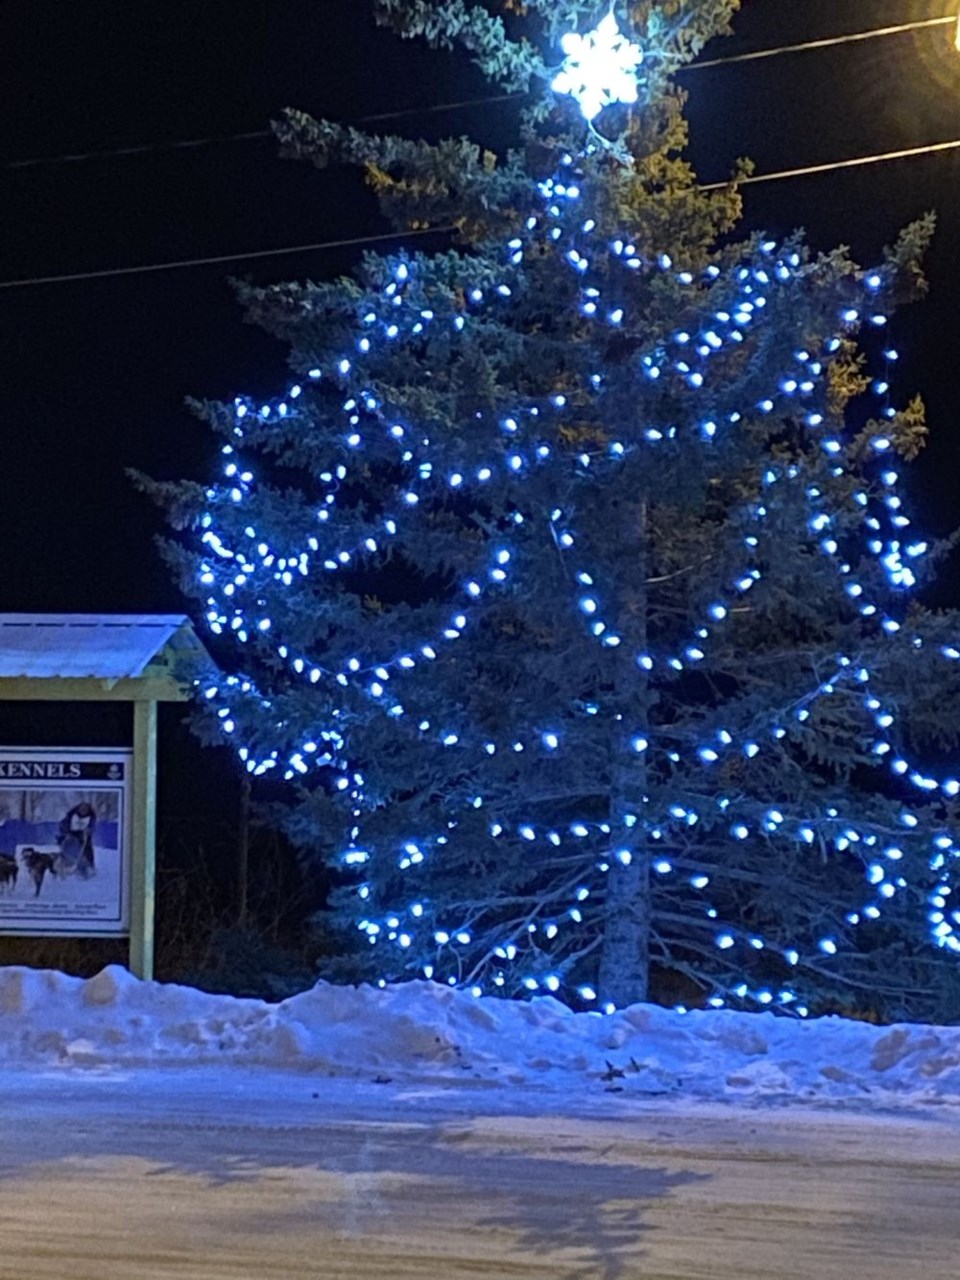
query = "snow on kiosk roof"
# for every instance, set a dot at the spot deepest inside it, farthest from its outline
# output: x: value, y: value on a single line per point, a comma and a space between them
x: 97, y: 656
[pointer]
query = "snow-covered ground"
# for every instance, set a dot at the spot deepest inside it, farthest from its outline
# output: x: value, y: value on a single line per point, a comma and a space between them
x: 421, y: 1031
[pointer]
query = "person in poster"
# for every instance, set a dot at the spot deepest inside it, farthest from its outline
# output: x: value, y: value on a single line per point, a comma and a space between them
x: 75, y: 838
x: 65, y: 843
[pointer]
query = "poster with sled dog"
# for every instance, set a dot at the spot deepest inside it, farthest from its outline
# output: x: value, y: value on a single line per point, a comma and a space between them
x: 64, y: 841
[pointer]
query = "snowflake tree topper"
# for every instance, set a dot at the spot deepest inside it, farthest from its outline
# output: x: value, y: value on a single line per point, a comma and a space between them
x: 600, y: 68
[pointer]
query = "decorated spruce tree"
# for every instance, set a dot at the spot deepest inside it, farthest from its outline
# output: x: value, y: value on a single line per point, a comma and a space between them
x: 568, y: 586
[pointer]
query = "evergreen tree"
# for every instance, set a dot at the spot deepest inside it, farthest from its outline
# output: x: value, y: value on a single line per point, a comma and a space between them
x: 570, y: 585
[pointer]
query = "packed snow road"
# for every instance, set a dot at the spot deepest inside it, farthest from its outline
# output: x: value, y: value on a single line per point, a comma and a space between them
x: 252, y: 1174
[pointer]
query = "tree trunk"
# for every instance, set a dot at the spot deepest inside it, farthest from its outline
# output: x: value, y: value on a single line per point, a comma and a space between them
x: 625, y: 958
x: 243, y: 851
x: 624, y: 975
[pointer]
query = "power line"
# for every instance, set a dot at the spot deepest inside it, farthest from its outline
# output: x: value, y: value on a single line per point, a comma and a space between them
x: 145, y: 148
x: 906, y: 153
x: 823, y: 44
x: 186, y: 143
x: 834, y: 165
x: 436, y: 108
x: 225, y: 257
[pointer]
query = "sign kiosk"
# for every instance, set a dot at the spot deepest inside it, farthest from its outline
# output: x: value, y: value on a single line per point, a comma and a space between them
x: 78, y: 824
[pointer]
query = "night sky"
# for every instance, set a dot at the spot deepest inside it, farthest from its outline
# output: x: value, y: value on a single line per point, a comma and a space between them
x: 94, y: 373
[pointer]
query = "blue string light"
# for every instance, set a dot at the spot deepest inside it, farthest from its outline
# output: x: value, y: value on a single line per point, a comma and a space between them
x: 732, y: 307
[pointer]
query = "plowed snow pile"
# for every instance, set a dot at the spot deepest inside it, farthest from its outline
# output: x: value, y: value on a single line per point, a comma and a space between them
x: 430, y: 1032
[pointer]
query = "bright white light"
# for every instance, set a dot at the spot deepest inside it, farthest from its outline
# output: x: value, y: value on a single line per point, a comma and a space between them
x: 600, y: 68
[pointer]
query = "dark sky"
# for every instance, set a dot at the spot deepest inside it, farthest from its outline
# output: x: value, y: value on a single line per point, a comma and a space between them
x: 94, y: 373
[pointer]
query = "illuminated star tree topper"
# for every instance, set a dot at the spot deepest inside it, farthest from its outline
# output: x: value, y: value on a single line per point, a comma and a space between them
x: 600, y: 68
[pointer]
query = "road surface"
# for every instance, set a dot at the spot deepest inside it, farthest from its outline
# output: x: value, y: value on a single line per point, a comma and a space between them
x: 150, y: 1175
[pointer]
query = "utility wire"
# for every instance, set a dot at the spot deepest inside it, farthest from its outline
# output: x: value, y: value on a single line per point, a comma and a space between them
x: 249, y: 256
x: 833, y: 165
x: 908, y: 152
x: 224, y: 257
x: 188, y: 143
x: 823, y: 44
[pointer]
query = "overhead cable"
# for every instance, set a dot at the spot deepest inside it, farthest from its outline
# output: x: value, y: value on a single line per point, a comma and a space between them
x: 434, y: 109
x: 857, y: 161
x: 144, y: 268
x: 833, y: 165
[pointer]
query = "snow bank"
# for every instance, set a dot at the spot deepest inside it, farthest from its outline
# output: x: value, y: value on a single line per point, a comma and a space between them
x: 424, y: 1031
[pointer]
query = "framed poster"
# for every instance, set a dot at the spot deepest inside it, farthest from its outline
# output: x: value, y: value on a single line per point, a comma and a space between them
x: 65, y: 841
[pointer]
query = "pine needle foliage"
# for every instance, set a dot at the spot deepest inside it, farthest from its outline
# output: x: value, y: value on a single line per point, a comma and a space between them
x: 569, y: 587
